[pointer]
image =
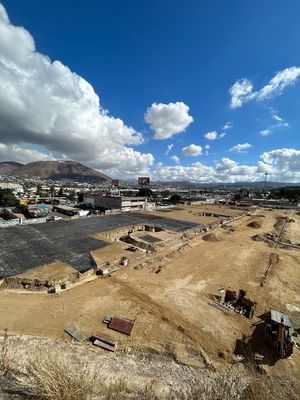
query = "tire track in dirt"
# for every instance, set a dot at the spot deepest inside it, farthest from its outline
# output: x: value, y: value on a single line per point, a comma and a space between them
x: 207, y: 344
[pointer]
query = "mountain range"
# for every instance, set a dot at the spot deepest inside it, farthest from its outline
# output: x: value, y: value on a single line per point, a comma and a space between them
x: 54, y: 170
x: 72, y: 170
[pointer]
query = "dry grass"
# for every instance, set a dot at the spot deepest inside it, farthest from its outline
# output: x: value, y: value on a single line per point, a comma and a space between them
x: 51, y: 377
x: 48, y: 375
x: 7, y: 355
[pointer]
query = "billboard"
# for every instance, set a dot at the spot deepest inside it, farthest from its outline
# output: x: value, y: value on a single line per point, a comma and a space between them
x: 115, y: 182
x: 144, y: 181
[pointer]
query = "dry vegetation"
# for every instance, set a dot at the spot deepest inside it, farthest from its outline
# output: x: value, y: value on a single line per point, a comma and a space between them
x: 51, y: 376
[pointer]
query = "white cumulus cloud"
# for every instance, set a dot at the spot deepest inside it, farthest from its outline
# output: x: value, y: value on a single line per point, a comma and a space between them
x: 280, y: 164
x: 242, y: 90
x: 240, y: 148
x: 192, y: 150
x: 285, y: 159
x: 168, y: 119
x: 44, y: 103
x: 211, y: 135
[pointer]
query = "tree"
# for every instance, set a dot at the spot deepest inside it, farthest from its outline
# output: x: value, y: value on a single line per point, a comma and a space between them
x: 38, y: 189
x: 145, y: 192
x: 175, y: 198
x: 7, y: 198
x: 60, y: 192
x: 290, y: 193
x: 237, y: 196
x: 23, y: 209
x: 52, y: 191
x: 71, y: 195
x: 80, y: 197
x: 165, y: 193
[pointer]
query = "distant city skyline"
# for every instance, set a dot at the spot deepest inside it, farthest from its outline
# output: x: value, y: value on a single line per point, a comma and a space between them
x: 202, y: 91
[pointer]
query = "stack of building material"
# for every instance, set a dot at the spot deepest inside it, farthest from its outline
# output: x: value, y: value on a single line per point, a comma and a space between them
x: 122, y: 325
x: 104, y: 341
x: 75, y: 333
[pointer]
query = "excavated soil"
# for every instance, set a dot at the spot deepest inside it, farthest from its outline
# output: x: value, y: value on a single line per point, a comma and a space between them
x: 254, y: 224
x: 211, y: 237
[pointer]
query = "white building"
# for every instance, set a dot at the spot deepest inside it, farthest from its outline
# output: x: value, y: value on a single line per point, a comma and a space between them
x: 115, y: 202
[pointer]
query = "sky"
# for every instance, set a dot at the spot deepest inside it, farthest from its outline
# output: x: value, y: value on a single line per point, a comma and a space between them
x: 206, y: 91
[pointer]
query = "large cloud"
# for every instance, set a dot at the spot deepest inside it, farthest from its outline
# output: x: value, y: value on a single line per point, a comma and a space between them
x: 44, y: 103
x: 192, y: 150
x: 282, y: 165
x: 242, y: 90
x: 168, y: 119
x: 197, y: 172
x: 23, y: 154
x: 226, y: 170
x: 284, y: 159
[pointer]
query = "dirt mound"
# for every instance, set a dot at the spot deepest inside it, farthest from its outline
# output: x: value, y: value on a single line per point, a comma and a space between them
x: 254, y: 224
x: 257, y: 238
x: 211, y: 237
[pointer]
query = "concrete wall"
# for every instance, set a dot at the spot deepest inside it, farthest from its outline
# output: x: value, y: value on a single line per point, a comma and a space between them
x: 34, y: 221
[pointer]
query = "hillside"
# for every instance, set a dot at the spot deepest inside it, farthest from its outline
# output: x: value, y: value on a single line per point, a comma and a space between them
x: 59, y: 170
x: 7, y: 167
x: 223, y: 185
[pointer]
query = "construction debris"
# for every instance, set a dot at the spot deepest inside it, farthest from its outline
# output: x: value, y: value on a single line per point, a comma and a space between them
x: 236, y: 303
x: 220, y: 306
x: 102, y: 271
x: 104, y: 338
x: 104, y: 341
x: 75, y: 333
x: 56, y: 289
x: 66, y: 285
x: 124, y: 261
x: 103, y: 345
x: 240, y: 303
x: 107, y: 319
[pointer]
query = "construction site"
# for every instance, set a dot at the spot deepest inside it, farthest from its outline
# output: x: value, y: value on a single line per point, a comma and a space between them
x: 205, y: 286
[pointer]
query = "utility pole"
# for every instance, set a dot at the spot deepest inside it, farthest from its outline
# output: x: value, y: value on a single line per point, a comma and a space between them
x: 265, y: 184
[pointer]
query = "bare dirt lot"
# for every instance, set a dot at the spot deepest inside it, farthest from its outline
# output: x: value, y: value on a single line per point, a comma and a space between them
x: 170, y: 305
x: 194, y: 213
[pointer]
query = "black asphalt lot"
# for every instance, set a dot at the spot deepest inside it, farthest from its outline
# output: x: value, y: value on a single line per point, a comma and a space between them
x: 24, y: 247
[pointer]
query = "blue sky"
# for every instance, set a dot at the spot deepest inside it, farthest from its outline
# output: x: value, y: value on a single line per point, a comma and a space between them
x: 183, y: 56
